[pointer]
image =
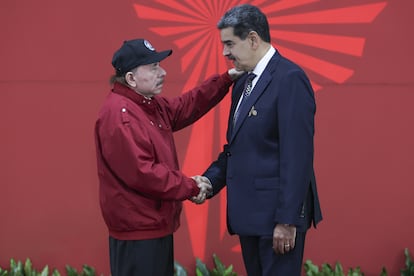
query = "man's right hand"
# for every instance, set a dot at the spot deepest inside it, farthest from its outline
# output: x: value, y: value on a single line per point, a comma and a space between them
x: 205, y: 187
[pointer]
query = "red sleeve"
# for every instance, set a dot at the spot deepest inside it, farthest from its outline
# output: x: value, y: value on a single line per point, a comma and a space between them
x: 128, y: 154
x: 192, y: 105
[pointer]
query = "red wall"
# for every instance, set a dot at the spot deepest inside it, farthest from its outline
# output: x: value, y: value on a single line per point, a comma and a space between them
x: 55, y: 58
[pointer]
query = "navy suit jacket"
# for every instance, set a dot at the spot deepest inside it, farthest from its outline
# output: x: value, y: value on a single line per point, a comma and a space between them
x: 267, y: 163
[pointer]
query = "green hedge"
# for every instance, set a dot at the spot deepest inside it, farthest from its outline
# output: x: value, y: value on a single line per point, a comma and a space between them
x: 219, y: 269
x: 337, y: 270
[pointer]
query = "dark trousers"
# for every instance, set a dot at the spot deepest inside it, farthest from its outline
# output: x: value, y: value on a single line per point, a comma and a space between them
x: 261, y: 260
x: 153, y: 257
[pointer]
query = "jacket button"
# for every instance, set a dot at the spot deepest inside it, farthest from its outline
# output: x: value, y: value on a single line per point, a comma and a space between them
x: 228, y: 154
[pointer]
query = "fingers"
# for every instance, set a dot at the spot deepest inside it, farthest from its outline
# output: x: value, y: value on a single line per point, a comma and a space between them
x: 284, y: 237
x: 203, y: 183
x: 200, y: 198
x: 234, y: 73
x: 282, y: 247
x: 205, y: 188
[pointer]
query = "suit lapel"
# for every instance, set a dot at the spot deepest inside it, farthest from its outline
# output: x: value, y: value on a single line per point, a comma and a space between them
x: 257, y: 91
x: 236, y: 94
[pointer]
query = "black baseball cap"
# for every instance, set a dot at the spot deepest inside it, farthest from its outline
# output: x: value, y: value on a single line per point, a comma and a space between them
x: 134, y: 53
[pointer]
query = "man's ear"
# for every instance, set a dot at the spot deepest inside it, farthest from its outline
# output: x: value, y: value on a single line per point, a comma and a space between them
x: 253, y: 38
x: 130, y: 79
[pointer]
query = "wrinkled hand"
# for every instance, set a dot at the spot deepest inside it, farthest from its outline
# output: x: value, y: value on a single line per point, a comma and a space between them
x: 205, y: 187
x: 235, y: 74
x: 284, y: 237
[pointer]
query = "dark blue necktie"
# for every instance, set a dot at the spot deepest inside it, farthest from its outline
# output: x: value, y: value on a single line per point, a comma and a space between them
x: 246, y: 93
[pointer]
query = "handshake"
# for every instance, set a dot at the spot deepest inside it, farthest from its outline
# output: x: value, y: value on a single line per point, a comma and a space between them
x: 205, y: 189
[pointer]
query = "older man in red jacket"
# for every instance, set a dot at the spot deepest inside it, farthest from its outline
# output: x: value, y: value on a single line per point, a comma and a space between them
x: 141, y: 186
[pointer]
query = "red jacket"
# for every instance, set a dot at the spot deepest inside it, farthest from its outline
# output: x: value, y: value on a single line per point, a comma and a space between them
x: 141, y: 186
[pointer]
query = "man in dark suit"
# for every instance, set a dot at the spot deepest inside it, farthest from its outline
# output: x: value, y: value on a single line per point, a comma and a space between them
x: 267, y: 163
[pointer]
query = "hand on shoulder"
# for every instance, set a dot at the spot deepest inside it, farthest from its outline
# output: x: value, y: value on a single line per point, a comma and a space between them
x: 234, y: 73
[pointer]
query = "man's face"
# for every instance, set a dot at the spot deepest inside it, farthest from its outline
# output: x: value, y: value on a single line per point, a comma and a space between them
x: 237, y: 50
x: 149, y: 79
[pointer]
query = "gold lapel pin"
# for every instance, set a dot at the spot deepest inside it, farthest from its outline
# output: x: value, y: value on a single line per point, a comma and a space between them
x: 252, y: 112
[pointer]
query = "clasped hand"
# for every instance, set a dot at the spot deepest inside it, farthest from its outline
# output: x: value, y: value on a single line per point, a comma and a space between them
x: 205, y: 188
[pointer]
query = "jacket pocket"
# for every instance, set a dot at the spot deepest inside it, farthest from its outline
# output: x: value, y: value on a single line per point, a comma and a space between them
x: 267, y: 184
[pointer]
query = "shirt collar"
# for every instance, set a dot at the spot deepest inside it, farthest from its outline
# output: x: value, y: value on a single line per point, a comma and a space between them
x: 261, y: 65
x: 125, y: 91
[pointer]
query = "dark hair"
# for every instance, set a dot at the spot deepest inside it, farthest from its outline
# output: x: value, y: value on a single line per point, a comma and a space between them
x: 121, y: 78
x: 115, y: 78
x: 244, y: 19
